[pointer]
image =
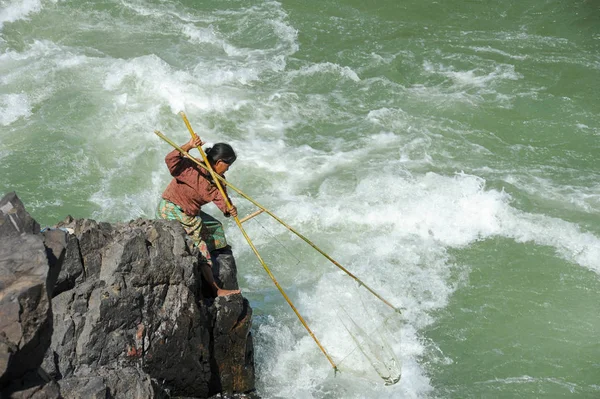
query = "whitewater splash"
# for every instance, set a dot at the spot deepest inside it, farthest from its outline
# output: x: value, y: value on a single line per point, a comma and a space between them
x: 18, y: 10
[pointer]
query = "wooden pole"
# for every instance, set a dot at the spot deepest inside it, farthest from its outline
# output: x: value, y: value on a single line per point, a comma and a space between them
x: 245, y: 219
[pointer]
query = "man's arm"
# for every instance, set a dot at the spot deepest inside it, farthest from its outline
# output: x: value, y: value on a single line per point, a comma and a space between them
x: 174, y: 158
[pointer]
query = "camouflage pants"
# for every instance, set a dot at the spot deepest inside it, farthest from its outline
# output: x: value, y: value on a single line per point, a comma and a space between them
x: 205, y: 231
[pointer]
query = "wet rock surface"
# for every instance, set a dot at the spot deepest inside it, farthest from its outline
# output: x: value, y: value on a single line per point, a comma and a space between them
x: 92, y: 309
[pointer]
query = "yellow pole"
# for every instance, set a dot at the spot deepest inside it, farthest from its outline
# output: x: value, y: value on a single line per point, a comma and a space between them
x: 229, y: 206
x: 240, y: 192
x: 245, y: 219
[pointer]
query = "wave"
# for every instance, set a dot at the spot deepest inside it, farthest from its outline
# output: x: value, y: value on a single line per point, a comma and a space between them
x: 19, y: 10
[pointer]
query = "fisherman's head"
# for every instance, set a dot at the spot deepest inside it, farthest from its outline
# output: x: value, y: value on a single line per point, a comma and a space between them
x: 220, y: 156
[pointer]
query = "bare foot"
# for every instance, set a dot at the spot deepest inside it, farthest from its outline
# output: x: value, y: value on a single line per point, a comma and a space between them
x: 222, y: 292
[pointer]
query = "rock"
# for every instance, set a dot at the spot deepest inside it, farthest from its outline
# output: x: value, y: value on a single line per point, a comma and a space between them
x: 108, y: 383
x: 25, y: 310
x: 92, y: 236
x: 139, y: 308
x: 126, y: 317
x: 32, y: 385
x: 14, y: 219
x: 233, y: 350
x: 29, y: 267
x: 142, y: 308
x: 55, y: 242
x: 50, y: 390
x: 71, y: 272
x: 224, y: 268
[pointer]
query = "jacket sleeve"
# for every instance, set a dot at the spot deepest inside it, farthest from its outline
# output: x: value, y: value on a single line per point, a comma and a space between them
x: 219, y: 201
x: 175, y: 162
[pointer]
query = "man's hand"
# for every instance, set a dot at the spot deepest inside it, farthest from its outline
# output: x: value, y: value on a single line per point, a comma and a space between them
x: 194, y: 142
x: 232, y: 211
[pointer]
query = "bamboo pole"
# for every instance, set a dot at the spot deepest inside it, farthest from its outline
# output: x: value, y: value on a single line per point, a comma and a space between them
x: 218, y: 180
x: 245, y: 219
x: 240, y: 192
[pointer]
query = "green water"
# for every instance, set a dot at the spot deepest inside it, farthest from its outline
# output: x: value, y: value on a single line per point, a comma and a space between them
x: 508, y: 331
x: 446, y: 152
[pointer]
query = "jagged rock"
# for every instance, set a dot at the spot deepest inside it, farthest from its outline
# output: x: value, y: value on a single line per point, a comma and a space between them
x: 35, y: 384
x: 29, y: 267
x: 25, y: 309
x: 35, y: 389
x: 128, y: 316
x: 92, y: 236
x: 232, y: 346
x: 108, y: 383
x: 71, y: 272
x: 55, y: 242
x: 224, y: 268
x: 14, y: 219
x: 139, y: 308
x: 142, y: 308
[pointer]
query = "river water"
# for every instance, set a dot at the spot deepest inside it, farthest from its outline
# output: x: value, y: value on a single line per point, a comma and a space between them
x: 444, y: 152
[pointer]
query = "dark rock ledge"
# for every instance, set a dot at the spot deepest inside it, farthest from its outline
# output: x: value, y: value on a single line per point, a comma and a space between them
x: 98, y: 310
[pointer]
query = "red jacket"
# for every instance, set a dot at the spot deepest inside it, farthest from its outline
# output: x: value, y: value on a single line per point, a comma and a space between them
x: 190, y: 187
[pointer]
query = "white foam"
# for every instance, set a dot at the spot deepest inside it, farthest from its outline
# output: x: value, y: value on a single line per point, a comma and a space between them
x: 143, y: 11
x: 477, y: 77
x: 580, y: 195
x: 149, y: 77
x: 18, y: 10
x: 14, y: 107
x: 269, y: 18
x: 573, y: 388
x: 572, y: 244
x: 36, y: 63
x: 457, y: 211
x: 287, y: 34
x: 201, y: 35
x: 327, y: 67
x: 489, y: 49
x: 37, y: 204
x: 37, y: 49
x: 117, y: 205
